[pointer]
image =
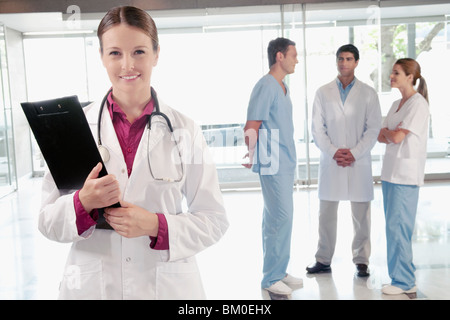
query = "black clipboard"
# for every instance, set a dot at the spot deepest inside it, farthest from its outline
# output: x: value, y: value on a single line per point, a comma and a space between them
x: 62, y: 132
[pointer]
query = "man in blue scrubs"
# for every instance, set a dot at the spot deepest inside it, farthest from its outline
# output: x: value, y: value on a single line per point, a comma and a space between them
x: 269, y: 136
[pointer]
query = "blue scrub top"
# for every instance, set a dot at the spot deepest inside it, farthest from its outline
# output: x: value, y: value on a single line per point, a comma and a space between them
x: 275, y: 152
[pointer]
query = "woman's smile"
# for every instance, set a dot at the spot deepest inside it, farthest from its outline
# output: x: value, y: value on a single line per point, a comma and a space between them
x: 130, y: 77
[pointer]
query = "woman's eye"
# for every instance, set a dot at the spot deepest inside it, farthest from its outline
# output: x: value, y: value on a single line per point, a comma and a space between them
x: 139, y: 51
x: 114, y: 53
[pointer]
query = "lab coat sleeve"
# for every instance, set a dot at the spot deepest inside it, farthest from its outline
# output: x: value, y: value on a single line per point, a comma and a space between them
x: 372, y: 126
x: 205, y: 222
x: 319, y: 127
x: 57, y: 218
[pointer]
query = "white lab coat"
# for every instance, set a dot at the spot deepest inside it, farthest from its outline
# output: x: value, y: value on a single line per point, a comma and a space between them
x: 354, y: 125
x: 104, y: 265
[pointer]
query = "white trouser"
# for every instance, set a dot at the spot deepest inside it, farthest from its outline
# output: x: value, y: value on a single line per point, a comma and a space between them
x: 328, y: 229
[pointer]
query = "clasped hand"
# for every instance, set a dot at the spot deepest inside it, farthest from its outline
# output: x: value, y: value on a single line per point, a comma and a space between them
x: 128, y: 220
x: 344, y: 157
x: 132, y: 221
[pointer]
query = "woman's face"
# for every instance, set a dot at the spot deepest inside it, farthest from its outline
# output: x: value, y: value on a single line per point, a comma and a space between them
x: 129, y: 58
x: 399, y: 79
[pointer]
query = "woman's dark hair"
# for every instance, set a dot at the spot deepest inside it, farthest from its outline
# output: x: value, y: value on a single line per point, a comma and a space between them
x: 411, y: 66
x: 131, y: 16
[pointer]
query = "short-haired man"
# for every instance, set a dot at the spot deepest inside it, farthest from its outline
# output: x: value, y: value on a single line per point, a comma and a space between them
x: 345, y: 124
x: 269, y: 136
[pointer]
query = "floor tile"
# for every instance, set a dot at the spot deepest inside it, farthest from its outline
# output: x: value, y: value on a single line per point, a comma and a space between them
x: 32, y: 265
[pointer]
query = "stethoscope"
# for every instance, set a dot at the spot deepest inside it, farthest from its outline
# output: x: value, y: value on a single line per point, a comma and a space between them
x: 104, y: 153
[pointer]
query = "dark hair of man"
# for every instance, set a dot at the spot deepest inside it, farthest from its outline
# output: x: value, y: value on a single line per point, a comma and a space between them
x: 348, y: 48
x: 278, y: 45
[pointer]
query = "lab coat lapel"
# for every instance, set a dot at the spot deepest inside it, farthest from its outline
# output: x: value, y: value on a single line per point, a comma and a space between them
x: 352, y: 95
x: 159, y: 127
x: 156, y: 133
x: 336, y: 95
x: 108, y: 134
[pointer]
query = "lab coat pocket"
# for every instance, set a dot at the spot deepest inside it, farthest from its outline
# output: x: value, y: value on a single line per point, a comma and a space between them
x: 178, y: 280
x: 83, y: 281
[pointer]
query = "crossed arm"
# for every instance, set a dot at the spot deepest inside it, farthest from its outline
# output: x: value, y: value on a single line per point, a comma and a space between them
x: 392, y: 136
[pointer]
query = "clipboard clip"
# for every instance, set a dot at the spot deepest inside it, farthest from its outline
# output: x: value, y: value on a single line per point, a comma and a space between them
x: 53, y: 109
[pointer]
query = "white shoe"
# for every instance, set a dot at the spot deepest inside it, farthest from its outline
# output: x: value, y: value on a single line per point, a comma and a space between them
x: 292, y: 281
x: 390, y: 289
x: 279, y: 288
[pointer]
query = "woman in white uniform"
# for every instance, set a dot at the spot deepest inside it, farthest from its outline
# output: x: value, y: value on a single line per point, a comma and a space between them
x: 405, y: 132
x: 149, y: 252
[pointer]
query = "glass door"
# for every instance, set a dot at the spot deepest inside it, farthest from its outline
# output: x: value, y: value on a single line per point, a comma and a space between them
x: 213, y: 57
x: 8, y: 182
x: 326, y: 27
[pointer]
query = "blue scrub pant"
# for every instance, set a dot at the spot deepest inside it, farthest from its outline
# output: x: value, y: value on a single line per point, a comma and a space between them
x: 400, y: 208
x: 278, y: 213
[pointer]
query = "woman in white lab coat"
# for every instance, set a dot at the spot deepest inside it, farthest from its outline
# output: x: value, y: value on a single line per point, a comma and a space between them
x: 150, y: 253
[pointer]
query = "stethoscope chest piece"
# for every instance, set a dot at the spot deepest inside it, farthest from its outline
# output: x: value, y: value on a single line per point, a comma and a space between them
x: 104, y: 153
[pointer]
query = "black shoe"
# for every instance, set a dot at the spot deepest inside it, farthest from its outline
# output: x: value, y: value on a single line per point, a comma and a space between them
x: 318, y: 268
x: 362, y: 270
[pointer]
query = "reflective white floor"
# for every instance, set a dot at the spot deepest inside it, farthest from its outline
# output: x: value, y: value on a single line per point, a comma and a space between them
x: 31, y: 265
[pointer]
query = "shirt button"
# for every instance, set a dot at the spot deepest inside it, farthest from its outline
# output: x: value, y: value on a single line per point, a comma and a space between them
x: 128, y: 259
x: 129, y: 150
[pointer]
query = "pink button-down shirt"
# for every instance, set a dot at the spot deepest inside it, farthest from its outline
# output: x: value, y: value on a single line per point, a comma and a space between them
x: 129, y: 135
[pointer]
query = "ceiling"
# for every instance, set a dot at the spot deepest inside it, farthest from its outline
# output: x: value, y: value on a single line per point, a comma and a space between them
x: 75, y: 21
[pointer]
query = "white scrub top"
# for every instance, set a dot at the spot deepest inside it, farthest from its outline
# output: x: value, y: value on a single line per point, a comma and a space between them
x: 404, y: 162
x: 276, y: 147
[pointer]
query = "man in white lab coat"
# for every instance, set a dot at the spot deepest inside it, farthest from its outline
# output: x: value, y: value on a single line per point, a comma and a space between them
x: 345, y: 123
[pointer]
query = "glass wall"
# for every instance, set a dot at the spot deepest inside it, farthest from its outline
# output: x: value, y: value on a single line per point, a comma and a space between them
x: 8, y: 181
x: 220, y: 63
x: 211, y: 59
x: 327, y: 28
